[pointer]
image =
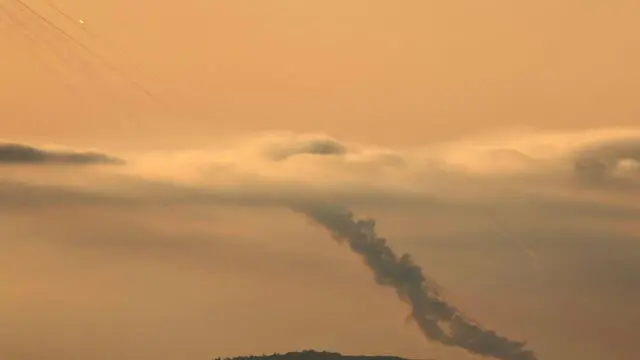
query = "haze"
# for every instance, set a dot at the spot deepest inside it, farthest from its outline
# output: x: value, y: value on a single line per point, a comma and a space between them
x: 459, y: 126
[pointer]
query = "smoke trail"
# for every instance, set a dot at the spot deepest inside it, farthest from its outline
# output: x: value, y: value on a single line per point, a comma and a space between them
x: 437, y: 319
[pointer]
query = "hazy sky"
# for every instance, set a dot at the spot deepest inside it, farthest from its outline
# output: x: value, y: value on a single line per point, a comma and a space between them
x: 419, y: 70
x: 188, y: 251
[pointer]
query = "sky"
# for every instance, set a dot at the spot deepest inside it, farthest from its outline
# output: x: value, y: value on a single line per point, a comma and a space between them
x: 148, y: 175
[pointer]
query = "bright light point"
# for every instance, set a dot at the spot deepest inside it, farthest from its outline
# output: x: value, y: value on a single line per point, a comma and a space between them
x: 81, y: 21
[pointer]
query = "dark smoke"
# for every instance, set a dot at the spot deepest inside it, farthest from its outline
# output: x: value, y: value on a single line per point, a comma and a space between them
x: 437, y: 319
x: 13, y: 153
x: 595, y: 164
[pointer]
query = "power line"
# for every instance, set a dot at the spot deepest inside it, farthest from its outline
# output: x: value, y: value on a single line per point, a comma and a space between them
x: 17, y: 22
x: 79, y: 23
x: 102, y: 60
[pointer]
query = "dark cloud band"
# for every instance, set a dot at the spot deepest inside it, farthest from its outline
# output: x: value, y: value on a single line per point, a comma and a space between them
x: 325, y: 147
x: 14, y: 153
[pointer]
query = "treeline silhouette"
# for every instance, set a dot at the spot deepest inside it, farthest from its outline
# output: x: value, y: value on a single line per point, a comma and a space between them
x: 309, y: 355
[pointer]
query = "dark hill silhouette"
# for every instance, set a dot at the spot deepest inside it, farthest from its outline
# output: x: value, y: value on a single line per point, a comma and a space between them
x: 313, y: 355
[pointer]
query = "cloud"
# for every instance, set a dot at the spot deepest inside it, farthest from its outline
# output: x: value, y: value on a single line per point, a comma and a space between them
x: 598, y: 163
x: 535, y: 176
x: 540, y: 172
x: 289, y: 147
x: 15, y: 153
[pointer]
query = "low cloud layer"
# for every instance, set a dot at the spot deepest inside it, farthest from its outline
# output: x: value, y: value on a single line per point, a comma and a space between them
x: 589, y: 173
x: 590, y: 177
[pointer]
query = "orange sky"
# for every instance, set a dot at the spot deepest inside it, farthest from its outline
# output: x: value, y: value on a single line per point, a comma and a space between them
x: 418, y: 70
x: 175, y: 283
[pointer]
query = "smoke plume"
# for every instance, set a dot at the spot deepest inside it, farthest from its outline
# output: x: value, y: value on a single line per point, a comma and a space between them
x: 437, y: 319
